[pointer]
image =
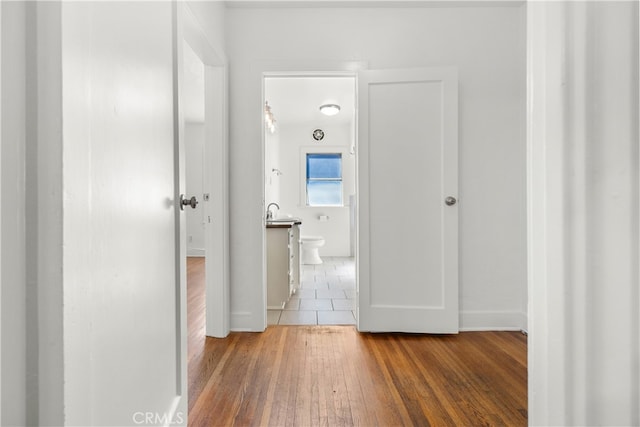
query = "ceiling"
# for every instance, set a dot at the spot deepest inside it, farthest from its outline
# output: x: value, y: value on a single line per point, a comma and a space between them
x: 296, y: 100
x: 293, y: 100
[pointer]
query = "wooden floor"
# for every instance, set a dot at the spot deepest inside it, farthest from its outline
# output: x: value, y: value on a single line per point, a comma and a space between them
x: 335, y: 376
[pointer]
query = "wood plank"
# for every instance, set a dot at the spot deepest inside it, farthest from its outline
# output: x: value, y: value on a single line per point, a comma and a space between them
x: 333, y: 375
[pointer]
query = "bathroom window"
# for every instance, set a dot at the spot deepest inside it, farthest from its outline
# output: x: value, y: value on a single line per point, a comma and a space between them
x: 324, y: 179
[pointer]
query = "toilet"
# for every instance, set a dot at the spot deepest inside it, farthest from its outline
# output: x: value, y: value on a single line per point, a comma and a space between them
x: 310, y: 246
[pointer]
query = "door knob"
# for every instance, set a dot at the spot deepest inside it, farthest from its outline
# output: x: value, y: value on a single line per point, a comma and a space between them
x: 450, y: 201
x: 188, y: 202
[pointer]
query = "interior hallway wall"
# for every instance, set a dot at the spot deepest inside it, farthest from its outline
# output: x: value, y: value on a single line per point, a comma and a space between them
x: 487, y: 44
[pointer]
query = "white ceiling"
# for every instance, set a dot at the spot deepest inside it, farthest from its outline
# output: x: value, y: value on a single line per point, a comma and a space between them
x: 293, y: 100
x: 296, y: 100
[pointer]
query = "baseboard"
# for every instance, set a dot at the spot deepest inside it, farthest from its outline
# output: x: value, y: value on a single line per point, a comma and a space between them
x: 525, y: 323
x: 493, y: 321
x: 243, y: 322
x: 195, y: 252
x: 469, y: 321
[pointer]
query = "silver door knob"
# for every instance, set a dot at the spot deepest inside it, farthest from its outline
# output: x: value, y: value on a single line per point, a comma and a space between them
x: 193, y: 202
x: 450, y: 201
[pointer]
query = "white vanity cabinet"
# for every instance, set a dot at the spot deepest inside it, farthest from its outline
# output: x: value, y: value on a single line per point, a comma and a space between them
x: 294, y: 258
x: 283, y: 263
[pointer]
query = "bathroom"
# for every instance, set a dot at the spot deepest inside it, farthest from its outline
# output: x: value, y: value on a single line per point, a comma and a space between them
x: 297, y: 132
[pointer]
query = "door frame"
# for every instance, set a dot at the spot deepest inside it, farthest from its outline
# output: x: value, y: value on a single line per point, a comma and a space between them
x: 309, y: 70
x: 0, y: 209
x: 216, y: 177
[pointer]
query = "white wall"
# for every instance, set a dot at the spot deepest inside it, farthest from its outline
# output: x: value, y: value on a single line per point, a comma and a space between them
x: 486, y: 44
x: 293, y: 140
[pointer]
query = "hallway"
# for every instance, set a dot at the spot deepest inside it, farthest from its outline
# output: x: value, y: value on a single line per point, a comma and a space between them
x: 333, y: 375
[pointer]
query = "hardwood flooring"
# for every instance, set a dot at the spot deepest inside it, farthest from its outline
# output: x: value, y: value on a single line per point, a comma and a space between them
x: 335, y: 376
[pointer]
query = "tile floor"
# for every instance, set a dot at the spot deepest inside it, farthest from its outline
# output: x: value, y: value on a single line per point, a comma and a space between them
x: 326, y: 296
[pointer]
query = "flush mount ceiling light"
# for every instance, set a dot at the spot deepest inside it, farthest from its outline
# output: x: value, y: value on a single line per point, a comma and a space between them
x: 330, y: 109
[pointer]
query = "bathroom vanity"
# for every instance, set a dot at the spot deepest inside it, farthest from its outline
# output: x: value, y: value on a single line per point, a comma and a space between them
x: 283, y: 261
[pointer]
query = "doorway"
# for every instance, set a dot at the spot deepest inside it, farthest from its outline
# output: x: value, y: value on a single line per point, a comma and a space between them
x: 301, y: 142
x: 204, y: 162
x: 194, y: 138
x: 193, y: 121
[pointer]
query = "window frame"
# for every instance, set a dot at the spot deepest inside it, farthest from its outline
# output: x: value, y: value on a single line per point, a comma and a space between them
x: 339, y: 150
x: 309, y: 180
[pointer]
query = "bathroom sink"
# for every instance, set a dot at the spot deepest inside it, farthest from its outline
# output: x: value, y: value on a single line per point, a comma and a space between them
x: 282, y: 220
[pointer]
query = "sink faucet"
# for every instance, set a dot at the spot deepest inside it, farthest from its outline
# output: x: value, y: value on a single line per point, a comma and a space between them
x: 269, y: 213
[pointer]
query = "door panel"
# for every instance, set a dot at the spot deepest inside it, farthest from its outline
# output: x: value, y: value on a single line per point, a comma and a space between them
x: 407, y: 166
x: 124, y: 308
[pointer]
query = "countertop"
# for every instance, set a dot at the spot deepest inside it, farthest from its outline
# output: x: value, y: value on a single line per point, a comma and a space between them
x: 283, y: 223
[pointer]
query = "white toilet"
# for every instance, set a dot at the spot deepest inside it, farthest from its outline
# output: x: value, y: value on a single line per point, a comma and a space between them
x: 310, y: 245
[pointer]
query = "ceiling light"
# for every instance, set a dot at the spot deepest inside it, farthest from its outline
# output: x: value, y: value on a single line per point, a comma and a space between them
x: 330, y: 109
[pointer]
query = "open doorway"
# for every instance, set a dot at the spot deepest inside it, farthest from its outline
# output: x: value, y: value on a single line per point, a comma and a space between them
x: 194, y: 140
x: 204, y: 155
x: 310, y: 180
x: 193, y: 117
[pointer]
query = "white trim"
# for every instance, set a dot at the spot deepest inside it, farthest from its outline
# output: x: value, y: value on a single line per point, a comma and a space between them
x: 247, y: 4
x: 177, y: 17
x: 637, y: 318
x: 546, y: 351
x: 493, y: 321
x: 275, y: 69
x: 1, y: 212
x: 196, y: 252
x: 322, y: 149
x: 351, y: 69
x: 45, y: 244
x: 242, y: 321
x: 216, y: 182
x: 216, y: 177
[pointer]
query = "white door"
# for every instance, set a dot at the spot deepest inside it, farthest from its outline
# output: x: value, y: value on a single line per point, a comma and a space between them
x: 124, y: 306
x: 407, y: 170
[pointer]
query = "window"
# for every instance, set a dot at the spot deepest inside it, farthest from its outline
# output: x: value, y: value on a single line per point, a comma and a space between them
x: 324, y: 179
